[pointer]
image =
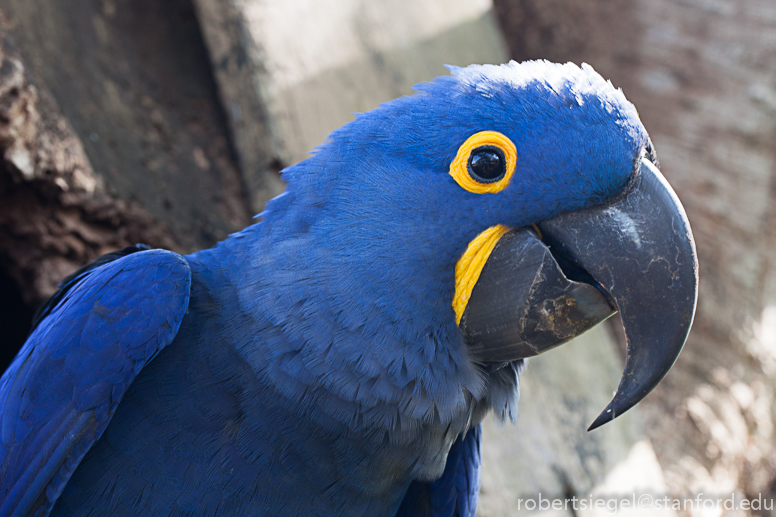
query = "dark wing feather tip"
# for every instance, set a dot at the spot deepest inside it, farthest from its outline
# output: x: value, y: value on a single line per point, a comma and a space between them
x: 74, y: 278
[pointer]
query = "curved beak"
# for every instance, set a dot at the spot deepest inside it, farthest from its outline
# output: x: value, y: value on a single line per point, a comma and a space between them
x: 634, y: 254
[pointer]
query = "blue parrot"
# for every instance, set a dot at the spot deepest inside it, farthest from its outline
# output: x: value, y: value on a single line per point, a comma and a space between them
x: 337, y: 357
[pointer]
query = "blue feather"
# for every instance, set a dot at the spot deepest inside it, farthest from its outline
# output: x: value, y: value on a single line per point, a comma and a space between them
x: 456, y: 492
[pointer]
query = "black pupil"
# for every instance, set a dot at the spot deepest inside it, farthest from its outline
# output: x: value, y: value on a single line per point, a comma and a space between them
x: 487, y: 164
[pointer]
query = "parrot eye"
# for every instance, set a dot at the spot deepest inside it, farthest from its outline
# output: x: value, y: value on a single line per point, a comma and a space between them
x: 487, y: 164
x: 484, y: 163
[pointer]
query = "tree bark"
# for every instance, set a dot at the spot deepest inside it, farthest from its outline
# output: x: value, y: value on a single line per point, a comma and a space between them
x: 111, y: 133
x: 702, y: 77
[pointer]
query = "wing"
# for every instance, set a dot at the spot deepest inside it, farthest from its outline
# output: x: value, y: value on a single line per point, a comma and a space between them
x: 72, y: 279
x: 455, y: 494
x: 63, y: 387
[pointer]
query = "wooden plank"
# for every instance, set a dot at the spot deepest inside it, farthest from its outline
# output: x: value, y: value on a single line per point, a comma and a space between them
x: 291, y: 72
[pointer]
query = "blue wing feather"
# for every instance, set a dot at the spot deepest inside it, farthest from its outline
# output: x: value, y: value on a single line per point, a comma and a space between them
x: 455, y: 494
x: 60, y: 392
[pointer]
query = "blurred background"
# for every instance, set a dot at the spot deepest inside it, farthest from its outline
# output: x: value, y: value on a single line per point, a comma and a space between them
x: 126, y: 121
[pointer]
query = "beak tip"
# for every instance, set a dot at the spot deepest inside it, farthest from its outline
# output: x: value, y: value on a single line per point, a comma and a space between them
x: 606, y: 416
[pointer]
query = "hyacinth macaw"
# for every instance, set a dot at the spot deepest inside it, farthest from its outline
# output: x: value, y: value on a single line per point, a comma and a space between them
x: 337, y: 357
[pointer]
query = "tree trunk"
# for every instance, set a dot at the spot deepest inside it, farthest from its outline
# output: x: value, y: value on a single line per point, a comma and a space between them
x: 703, y: 77
x: 111, y: 133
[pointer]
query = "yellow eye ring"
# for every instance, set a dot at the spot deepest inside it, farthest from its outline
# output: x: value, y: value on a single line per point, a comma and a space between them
x: 484, y: 141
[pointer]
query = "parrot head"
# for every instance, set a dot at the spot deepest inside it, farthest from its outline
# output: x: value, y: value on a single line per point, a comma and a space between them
x: 501, y: 210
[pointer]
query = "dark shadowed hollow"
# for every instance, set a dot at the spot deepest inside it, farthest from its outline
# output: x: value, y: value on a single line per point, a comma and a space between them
x: 15, y: 319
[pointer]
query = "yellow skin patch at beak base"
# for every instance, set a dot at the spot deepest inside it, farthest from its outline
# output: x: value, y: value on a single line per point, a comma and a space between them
x: 469, y: 266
